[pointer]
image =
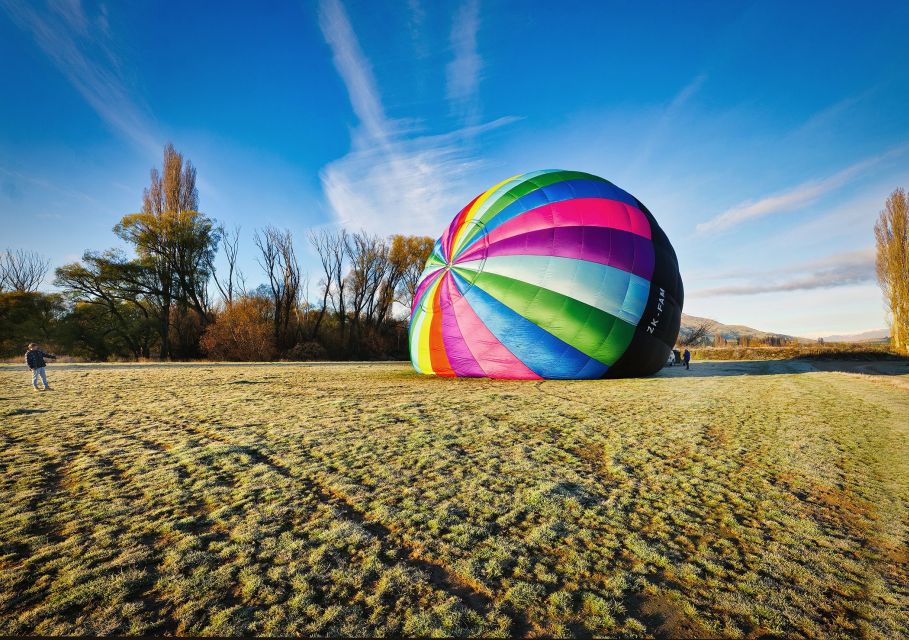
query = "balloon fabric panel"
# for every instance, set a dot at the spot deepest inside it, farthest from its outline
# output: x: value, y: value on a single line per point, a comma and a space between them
x: 551, y: 274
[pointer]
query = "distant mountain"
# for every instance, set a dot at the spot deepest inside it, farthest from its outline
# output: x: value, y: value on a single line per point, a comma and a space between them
x: 875, y: 335
x: 734, y: 331
x: 730, y: 331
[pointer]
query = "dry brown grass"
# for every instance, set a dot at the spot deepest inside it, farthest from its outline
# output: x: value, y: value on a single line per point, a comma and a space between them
x: 737, y: 499
x: 871, y: 351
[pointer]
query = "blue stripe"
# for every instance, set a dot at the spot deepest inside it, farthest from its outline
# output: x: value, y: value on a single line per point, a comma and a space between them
x: 619, y: 293
x: 557, y: 192
x: 539, y: 350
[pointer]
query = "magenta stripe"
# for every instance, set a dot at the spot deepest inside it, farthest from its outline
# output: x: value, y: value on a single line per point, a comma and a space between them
x: 462, y: 361
x: 498, y: 361
x: 620, y: 249
x: 449, y: 233
x: 579, y: 212
x: 425, y: 284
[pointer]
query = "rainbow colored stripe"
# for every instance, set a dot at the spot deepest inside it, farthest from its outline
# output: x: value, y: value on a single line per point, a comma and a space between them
x: 545, y: 275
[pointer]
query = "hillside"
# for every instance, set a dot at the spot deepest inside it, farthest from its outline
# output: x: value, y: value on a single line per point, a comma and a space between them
x: 731, y: 331
x: 875, y: 335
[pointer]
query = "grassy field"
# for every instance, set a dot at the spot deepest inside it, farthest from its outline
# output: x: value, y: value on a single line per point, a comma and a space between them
x: 735, y: 499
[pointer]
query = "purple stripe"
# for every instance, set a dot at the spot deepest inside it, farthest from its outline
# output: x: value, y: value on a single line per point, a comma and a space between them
x: 614, y: 247
x: 421, y: 288
x: 459, y: 356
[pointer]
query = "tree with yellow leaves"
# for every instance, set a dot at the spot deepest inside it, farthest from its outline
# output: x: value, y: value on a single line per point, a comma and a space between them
x: 892, y: 234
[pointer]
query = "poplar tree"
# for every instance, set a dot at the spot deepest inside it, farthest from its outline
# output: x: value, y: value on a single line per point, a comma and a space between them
x: 892, y: 234
x: 174, y: 241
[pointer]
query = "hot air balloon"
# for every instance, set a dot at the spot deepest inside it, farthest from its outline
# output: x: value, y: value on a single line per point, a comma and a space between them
x: 549, y: 274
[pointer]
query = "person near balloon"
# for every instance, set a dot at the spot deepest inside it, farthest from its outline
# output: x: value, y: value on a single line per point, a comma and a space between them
x: 34, y: 358
x: 687, y: 358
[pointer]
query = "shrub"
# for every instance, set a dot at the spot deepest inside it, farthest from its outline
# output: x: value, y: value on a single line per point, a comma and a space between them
x: 28, y: 317
x: 242, y: 331
x: 306, y: 351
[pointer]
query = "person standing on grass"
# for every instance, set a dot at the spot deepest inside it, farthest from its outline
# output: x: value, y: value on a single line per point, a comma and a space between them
x: 34, y: 358
x: 686, y: 357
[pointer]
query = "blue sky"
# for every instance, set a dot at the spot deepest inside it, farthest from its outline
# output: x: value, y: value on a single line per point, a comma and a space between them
x: 764, y: 139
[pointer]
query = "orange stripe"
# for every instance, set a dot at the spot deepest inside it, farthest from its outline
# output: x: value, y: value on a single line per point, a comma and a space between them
x: 437, y: 356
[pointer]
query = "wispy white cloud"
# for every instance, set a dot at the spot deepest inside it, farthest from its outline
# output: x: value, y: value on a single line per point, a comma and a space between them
x: 668, y: 115
x: 354, y: 69
x: 405, y: 186
x: 835, y: 270
x: 827, y: 117
x: 393, y: 179
x: 80, y: 47
x: 417, y: 18
x: 859, y: 257
x: 797, y: 197
x: 844, y: 219
x: 15, y: 186
x: 462, y: 74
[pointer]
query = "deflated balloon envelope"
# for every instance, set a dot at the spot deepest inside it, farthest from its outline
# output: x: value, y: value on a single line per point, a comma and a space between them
x: 549, y: 274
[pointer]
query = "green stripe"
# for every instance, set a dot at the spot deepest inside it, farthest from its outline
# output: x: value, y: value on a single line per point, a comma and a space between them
x: 520, y: 190
x: 617, y: 292
x: 434, y: 260
x: 586, y: 328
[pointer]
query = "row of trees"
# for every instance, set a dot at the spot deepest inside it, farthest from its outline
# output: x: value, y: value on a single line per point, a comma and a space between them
x: 363, y: 279
x: 168, y: 300
x: 158, y: 302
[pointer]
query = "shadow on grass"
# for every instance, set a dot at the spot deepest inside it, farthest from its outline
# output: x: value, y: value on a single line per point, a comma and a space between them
x: 715, y: 368
x: 17, y: 412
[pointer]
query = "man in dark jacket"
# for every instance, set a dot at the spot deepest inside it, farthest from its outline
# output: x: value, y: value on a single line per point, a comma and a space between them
x: 686, y: 357
x: 34, y: 358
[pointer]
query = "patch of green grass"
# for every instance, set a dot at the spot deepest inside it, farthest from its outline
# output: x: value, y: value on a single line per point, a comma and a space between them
x: 368, y: 500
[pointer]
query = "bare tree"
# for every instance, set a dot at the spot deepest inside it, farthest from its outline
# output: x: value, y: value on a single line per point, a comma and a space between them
x: 369, y: 263
x: 279, y: 261
x: 700, y: 333
x: 892, y: 234
x: 331, y: 248
x: 233, y: 282
x: 22, y: 271
x: 338, y: 249
x: 408, y: 256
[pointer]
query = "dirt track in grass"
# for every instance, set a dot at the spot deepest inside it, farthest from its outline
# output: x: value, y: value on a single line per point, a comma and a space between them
x: 734, y: 499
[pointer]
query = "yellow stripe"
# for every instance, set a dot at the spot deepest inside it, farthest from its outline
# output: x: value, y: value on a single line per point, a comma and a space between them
x: 416, y: 323
x: 472, y: 214
x: 423, y: 359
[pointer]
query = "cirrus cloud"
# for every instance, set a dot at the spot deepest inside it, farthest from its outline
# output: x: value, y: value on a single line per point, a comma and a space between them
x: 394, y: 177
x: 836, y: 270
x: 796, y: 197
